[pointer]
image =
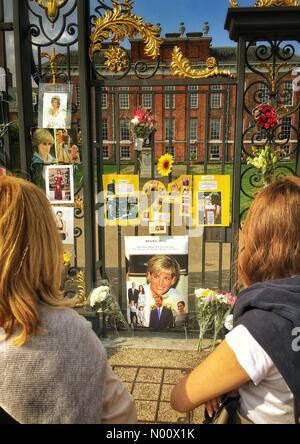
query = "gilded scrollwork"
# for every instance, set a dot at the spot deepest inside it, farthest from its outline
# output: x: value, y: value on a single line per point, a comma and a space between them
x: 121, y: 22
x: 51, y: 7
x: 79, y: 279
x: 268, y: 3
x: 53, y: 59
x: 116, y: 58
x: 181, y: 67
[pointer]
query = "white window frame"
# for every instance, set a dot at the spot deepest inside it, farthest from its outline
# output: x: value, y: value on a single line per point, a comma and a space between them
x: 266, y: 92
x: 170, y: 150
x: 122, y: 156
x: 124, y: 124
x: 286, y: 152
x: 194, y: 136
x: 105, y: 150
x: 103, y: 96
x: 124, y: 98
x: 215, y: 97
x: 211, y: 129
x: 288, y: 85
x: 286, y: 128
x: 78, y: 94
x: 104, y: 129
x: 193, y: 149
x: 147, y: 99
x: 211, y: 155
x: 167, y: 129
x: 193, y: 97
x: 167, y: 96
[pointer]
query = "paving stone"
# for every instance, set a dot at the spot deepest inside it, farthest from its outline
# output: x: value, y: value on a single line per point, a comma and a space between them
x: 146, y: 411
x: 146, y: 391
x: 149, y: 375
x: 166, y: 392
x: 168, y: 415
x: 125, y: 373
x: 173, y: 376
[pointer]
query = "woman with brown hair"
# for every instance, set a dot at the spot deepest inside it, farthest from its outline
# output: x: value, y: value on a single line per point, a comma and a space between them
x: 53, y: 367
x: 261, y: 355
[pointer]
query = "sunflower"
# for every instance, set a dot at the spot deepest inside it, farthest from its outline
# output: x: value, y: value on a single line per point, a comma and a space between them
x: 165, y: 164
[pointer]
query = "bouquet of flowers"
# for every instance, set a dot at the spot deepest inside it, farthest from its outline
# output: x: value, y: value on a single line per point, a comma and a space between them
x: 103, y: 301
x: 142, y: 123
x: 265, y: 116
x: 212, y: 309
x: 265, y: 161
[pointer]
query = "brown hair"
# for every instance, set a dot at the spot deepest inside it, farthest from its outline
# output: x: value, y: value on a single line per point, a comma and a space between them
x: 30, y: 258
x: 270, y: 236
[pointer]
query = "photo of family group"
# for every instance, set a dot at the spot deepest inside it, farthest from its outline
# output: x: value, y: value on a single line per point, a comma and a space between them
x: 55, y: 146
x: 157, y: 284
x: 59, y: 184
x: 209, y: 208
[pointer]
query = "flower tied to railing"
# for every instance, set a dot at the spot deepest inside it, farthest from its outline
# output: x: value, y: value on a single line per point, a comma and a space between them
x: 212, y: 311
x: 103, y: 301
x: 165, y: 164
x: 142, y: 124
x: 265, y: 116
x: 264, y: 160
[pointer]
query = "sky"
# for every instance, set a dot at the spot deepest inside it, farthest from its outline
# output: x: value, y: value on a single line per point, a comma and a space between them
x: 169, y: 13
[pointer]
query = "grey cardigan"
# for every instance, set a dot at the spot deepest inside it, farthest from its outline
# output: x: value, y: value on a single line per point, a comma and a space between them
x: 58, y: 377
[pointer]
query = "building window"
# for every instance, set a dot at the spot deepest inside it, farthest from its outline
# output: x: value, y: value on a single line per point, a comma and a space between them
x: 78, y: 126
x: 169, y: 132
x: 124, y: 98
x: 105, y: 152
x: 103, y: 97
x: 168, y: 97
x: 261, y: 134
x: 104, y: 129
x: 193, y: 97
x: 78, y: 95
x: 170, y: 150
x: 193, y: 129
x: 124, y: 130
x: 215, y: 129
x: 193, y: 152
x: 147, y: 98
x: 285, y: 152
x: 264, y: 93
x: 214, y: 153
x: 288, y: 93
x: 215, y: 97
x: 285, y: 128
x: 125, y: 152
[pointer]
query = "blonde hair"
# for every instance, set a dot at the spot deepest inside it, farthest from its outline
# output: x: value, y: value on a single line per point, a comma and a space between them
x: 164, y: 263
x: 42, y: 135
x: 270, y: 236
x: 31, y: 258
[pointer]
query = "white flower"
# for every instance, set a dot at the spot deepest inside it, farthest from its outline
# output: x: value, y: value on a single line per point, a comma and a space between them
x: 199, y: 292
x: 229, y: 322
x: 99, y: 294
x: 221, y: 298
x: 135, y: 121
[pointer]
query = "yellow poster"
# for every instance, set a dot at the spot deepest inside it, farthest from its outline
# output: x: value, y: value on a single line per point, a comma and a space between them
x: 182, y: 188
x: 121, y: 199
x: 212, y: 200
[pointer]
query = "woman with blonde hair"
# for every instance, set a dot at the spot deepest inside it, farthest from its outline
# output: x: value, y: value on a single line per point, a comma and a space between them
x: 42, y: 141
x: 261, y: 355
x: 53, y: 367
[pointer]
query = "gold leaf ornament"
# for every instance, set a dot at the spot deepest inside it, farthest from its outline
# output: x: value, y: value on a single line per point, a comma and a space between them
x: 181, y: 67
x: 119, y: 24
x: 116, y: 58
x: 269, y: 3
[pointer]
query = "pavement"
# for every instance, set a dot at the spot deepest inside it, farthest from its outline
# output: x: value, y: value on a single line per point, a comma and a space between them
x: 150, y: 364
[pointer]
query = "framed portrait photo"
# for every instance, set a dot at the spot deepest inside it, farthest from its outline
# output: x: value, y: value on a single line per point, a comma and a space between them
x: 64, y: 220
x: 67, y: 147
x: 59, y: 184
x: 55, y: 105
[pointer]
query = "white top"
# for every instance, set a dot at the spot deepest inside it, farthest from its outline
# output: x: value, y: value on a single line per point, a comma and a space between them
x: 266, y: 399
